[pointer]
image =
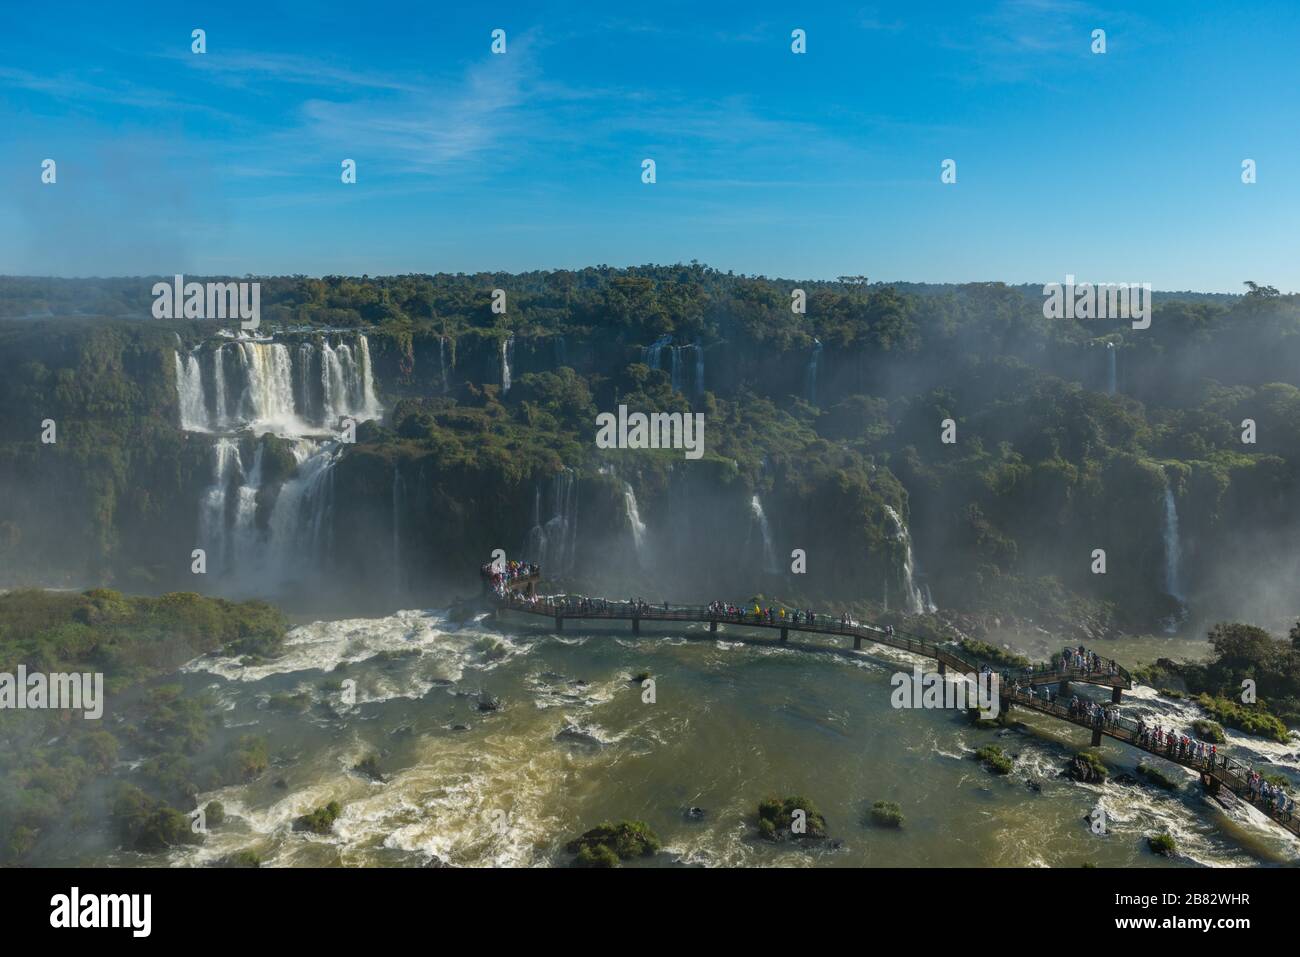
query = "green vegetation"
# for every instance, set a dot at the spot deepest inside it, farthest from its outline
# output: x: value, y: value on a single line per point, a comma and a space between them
x: 1088, y: 766
x: 1210, y: 731
x: 886, y: 814
x: 241, y: 859
x: 1244, y: 718
x: 1162, y: 843
x: 148, y: 825
x: 777, y: 819
x: 606, y: 845
x: 1157, y: 777
x: 128, y: 638
x: 994, y: 759
x: 984, y: 653
x: 319, y: 821
x: 214, y: 814
x: 47, y: 764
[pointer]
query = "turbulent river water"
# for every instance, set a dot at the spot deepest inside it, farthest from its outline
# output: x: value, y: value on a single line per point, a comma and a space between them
x: 573, y: 744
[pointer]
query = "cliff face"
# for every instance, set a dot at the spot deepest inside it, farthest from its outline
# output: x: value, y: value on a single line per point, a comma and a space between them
x: 824, y: 451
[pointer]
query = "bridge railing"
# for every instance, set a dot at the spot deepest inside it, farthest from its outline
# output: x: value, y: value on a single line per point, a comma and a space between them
x: 1231, y: 772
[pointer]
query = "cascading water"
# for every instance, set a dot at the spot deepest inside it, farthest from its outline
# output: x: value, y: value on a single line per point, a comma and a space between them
x: 189, y: 383
x: 228, y: 511
x: 269, y: 387
x: 918, y: 601
x: 264, y: 386
x: 399, y: 500
x: 442, y: 362
x: 507, y: 354
x: 553, y: 541
x: 810, y: 374
x: 1173, y: 558
x: 699, y: 368
x: 676, y: 374
x: 652, y: 355
x: 634, y: 520
x: 1112, y: 384
x: 769, y: 552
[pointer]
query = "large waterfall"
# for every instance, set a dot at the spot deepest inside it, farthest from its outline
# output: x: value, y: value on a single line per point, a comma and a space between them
x: 769, y: 551
x: 810, y: 373
x: 918, y: 600
x: 634, y: 520
x: 252, y: 557
x: 553, y: 540
x: 269, y: 387
x: 652, y: 355
x: 300, y: 392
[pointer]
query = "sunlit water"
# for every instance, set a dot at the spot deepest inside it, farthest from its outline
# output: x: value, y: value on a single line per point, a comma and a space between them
x: 574, y: 745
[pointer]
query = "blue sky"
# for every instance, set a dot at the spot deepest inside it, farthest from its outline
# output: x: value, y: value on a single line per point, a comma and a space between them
x: 1121, y: 167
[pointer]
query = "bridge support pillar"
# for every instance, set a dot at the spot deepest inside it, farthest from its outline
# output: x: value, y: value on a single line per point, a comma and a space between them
x: 1096, y: 737
x: 1210, y: 782
x: 857, y: 642
x: 636, y: 626
x: 1115, y: 695
x: 559, y: 623
x: 785, y: 633
x: 713, y: 627
x: 943, y: 669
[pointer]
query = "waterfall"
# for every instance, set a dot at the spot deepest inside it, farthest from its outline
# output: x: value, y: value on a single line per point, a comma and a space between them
x: 634, y: 520
x: 301, y: 530
x: 699, y: 368
x: 268, y: 383
x: 507, y: 353
x: 219, y: 387
x: 769, y: 552
x: 399, y: 495
x: 269, y: 387
x: 810, y: 374
x: 1113, y: 379
x: 189, y: 384
x: 442, y: 362
x: 553, y: 541
x: 918, y: 601
x: 228, y: 511
x: 676, y: 374
x: 1173, y: 549
x: 652, y: 354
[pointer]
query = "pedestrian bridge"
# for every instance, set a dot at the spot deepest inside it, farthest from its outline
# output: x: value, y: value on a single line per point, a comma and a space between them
x: 1015, y: 684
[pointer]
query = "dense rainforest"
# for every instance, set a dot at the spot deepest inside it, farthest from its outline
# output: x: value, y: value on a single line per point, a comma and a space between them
x: 824, y: 432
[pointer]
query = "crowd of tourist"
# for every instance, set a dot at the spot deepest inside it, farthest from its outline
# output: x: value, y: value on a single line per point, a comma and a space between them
x: 726, y: 611
x: 501, y: 574
x: 1081, y: 659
